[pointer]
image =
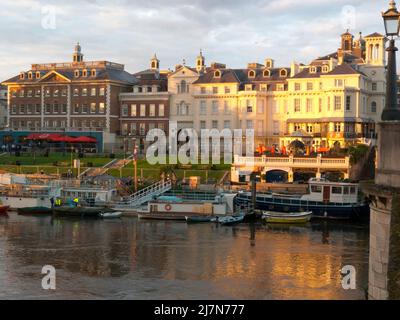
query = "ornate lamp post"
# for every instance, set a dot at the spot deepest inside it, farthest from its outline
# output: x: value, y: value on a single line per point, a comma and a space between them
x: 392, y: 27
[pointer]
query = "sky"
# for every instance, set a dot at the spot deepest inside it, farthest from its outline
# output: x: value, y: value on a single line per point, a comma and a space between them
x: 234, y: 32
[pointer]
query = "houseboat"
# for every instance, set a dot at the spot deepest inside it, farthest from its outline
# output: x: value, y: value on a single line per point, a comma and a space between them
x: 328, y: 200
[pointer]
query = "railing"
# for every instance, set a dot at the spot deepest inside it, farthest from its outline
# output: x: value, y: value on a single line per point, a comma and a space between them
x: 317, y: 162
x: 145, y: 195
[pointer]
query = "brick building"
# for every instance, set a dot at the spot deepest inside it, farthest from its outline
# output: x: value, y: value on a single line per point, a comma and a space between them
x: 78, y: 98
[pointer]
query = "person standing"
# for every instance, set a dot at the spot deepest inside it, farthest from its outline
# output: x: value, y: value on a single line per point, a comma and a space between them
x: 52, y: 202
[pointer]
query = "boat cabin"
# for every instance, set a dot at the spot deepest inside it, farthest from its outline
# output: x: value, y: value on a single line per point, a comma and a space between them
x: 336, y: 192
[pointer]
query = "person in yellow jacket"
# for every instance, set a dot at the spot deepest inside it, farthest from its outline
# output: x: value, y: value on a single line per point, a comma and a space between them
x: 58, y: 202
x: 76, y: 202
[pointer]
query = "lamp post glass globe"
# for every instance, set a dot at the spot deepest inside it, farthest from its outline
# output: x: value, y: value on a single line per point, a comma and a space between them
x: 391, y: 20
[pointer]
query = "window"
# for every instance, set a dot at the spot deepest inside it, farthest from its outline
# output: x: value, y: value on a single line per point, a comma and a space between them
x: 102, y: 92
x: 161, y: 110
x: 252, y: 74
x: 227, y: 108
x: 260, y: 127
x: 374, y: 86
x: 280, y: 87
x: 283, y: 73
x: 203, y: 90
x: 373, y: 107
x: 152, y: 111
x: 297, y: 86
x: 215, y: 124
x: 310, y: 129
x: 47, y: 93
x: 124, y: 110
x: 325, y: 69
x: 336, y: 190
x: 64, y: 92
x: 338, y: 127
x: 202, y: 125
x: 38, y: 109
x: 77, y: 73
x: 76, y: 92
x: 328, y: 105
x: 102, y: 107
x: 22, y: 109
x: 84, y: 73
x: 93, y: 107
x: 316, y: 189
x: 338, y: 103
x: 227, y: 90
x: 227, y: 124
x: 93, y: 72
x: 47, y: 108
x: 64, y: 108
x: 133, y: 110
x: 203, y: 108
x: 297, y: 105
x: 249, y: 124
x: 217, y: 74
x: 142, y: 110
x: 142, y: 129
x: 310, y: 86
x: 320, y: 105
x: 93, y: 92
x: 56, y: 92
x: 84, y: 92
x: 348, y: 103
x: 183, y: 87
x: 77, y: 108
x: 309, y: 105
x: 38, y: 93
x: 13, y: 94
x: 38, y: 75
x: 313, y: 70
x: 267, y: 73
x: 339, y: 83
x: 85, y: 108
x: 276, y: 128
x: 55, y: 108
x: 133, y: 128
x: 215, y: 107
x: 215, y: 90
x: 30, y: 93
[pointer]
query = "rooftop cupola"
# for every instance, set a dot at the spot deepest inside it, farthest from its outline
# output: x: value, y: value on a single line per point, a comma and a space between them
x: 200, y: 62
x: 78, y: 56
x: 154, y: 63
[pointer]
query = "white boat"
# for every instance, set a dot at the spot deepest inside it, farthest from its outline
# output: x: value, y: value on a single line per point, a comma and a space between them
x: 111, y: 215
x: 230, y: 220
x: 286, y: 217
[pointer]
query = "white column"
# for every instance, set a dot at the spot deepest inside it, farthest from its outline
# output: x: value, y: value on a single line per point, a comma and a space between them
x: 42, y: 112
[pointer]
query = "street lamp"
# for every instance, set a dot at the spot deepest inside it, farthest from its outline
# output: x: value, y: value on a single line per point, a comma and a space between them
x: 392, y: 27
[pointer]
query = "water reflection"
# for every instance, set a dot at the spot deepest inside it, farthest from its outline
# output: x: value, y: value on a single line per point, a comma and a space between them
x: 130, y: 259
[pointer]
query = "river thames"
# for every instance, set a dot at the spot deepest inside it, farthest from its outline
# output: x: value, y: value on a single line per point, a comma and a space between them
x: 131, y: 259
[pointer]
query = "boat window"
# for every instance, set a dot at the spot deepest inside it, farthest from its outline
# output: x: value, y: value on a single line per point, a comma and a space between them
x: 316, y: 189
x: 346, y: 190
x: 352, y: 190
x: 336, y: 190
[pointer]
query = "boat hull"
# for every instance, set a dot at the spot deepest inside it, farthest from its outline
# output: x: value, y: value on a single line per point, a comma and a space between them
x: 89, y: 213
x: 3, y: 210
x: 287, y: 218
x: 199, y: 219
x: 358, y: 211
x: 35, y: 211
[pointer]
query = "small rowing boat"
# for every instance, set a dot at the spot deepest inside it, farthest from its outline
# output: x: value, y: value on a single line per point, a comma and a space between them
x: 286, y: 217
x: 35, y: 211
x: 200, y: 219
x: 230, y: 220
x: 111, y: 215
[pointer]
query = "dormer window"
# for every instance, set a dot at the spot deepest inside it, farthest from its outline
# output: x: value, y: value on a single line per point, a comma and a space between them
x: 252, y: 74
x: 37, y: 75
x: 267, y: 73
x: 217, y: 74
x: 22, y: 76
x: 283, y: 73
x: 84, y: 73
x: 30, y: 75
x: 93, y: 72
x: 77, y: 73
x: 313, y: 70
x: 325, y: 69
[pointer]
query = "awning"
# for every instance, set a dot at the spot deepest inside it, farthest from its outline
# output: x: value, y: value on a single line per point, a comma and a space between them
x: 84, y: 140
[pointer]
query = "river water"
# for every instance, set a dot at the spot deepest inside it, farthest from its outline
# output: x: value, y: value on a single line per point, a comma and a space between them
x: 131, y: 259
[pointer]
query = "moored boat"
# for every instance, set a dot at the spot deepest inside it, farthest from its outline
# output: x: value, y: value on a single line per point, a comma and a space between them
x: 200, y: 219
x: 162, y: 216
x: 327, y: 200
x: 35, y: 211
x: 79, y: 212
x: 111, y: 215
x: 3, y: 210
x: 230, y: 220
x: 286, y: 217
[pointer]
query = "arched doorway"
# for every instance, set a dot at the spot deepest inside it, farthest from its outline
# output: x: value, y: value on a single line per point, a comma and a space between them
x: 277, y: 176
